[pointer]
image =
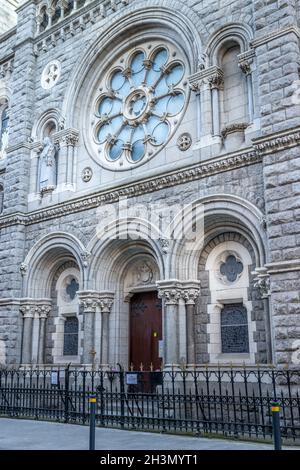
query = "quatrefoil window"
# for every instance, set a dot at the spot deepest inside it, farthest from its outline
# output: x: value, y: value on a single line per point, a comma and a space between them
x: 142, y: 98
x: 231, y: 269
x: 72, y: 288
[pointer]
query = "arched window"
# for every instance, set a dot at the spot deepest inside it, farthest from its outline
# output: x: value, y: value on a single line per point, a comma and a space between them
x: 235, y: 105
x: 71, y: 336
x: 4, y: 129
x: 234, y: 329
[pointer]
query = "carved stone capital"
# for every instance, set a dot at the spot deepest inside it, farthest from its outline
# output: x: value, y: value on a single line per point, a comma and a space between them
x: 85, y: 256
x: 191, y: 292
x: 35, y: 308
x: 89, y: 301
x: 106, y: 301
x: 216, y: 80
x: 66, y: 137
x: 170, y: 291
x: 262, y: 282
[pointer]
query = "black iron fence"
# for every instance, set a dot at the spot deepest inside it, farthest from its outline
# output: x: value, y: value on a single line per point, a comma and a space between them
x: 227, y: 401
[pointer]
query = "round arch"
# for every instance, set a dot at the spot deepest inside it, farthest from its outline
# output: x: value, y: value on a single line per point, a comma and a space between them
x: 142, y: 17
x: 45, y: 257
x: 220, y: 212
x: 115, y: 245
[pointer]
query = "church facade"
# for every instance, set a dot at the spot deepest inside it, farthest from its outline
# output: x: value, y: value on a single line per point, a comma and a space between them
x: 150, y: 182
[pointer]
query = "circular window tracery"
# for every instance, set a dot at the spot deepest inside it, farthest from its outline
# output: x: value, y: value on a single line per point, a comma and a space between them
x: 142, y: 99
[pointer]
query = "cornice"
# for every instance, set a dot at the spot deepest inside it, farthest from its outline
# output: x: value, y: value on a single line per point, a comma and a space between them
x: 261, y: 146
x: 257, y: 42
x: 167, y: 180
x: 278, y: 141
x: 283, y: 266
x: 76, y: 22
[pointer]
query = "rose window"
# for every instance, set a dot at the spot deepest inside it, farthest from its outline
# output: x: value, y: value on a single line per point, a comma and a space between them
x: 142, y: 99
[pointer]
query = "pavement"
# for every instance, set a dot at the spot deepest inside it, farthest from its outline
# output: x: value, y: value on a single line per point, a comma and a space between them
x: 19, y: 434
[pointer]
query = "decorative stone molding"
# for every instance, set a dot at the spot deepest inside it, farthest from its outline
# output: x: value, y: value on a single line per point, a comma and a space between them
x: 23, y: 269
x: 283, y: 266
x: 6, y: 68
x: 170, y: 291
x: 213, y: 75
x: 191, y: 292
x: 50, y: 75
x: 86, y: 174
x: 35, y: 308
x: 106, y: 300
x: 68, y: 137
x: 262, y: 282
x: 184, y: 141
x: 74, y: 23
x: 245, y: 61
x: 216, y: 79
x: 89, y: 300
x: 233, y: 128
x: 275, y: 35
x: 196, y: 172
x: 85, y: 256
x: 277, y: 142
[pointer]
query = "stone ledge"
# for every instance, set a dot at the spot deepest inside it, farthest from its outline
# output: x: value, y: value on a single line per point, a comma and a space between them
x: 283, y: 266
x: 174, y: 178
x: 274, y: 35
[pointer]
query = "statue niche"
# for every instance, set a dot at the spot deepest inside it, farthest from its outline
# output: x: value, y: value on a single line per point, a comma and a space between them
x: 48, y: 166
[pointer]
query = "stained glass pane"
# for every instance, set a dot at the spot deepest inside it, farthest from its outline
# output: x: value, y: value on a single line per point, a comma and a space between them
x: 160, y: 133
x: 116, y: 106
x: 137, y: 62
x: 160, y: 59
x: 152, y: 77
x: 125, y: 134
x: 117, y: 80
x: 138, y: 133
x: 72, y: 288
x: 175, y: 75
x: 161, y: 105
x: 162, y: 87
x: 234, y: 329
x: 152, y: 123
x: 116, y: 150
x: 175, y: 104
x: 138, y: 150
x: 103, y: 133
x: 71, y: 337
x: 105, y: 106
x: 232, y: 268
x: 116, y: 123
x: 125, y: 89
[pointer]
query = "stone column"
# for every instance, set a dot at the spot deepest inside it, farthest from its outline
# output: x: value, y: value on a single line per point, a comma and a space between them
x: 43, y: 313
x: 262, y: 283
x: 106, y: 302
x: 245, y: 66
x: 216, y: 84
x: 199, y: 84
x: 27, y: 311
x: 170, y: 292
x: 67, y: 140
x: 190, y: 295
x: 89, y: 301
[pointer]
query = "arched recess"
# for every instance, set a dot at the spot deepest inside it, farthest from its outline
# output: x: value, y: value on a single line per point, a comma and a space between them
x: 141, y: 22
x: 45, y: 258
x: 240, y: 34
x: 123, y: 267
x: 219, y: 213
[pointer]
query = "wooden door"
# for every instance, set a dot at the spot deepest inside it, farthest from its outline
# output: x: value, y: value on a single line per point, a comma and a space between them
x: 145, y: 330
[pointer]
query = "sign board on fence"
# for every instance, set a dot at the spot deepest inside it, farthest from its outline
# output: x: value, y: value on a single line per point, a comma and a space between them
x: 131, y: 379
x: 54, y: 377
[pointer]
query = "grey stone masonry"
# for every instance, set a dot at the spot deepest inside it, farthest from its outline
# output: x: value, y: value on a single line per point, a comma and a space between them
x: 240, y: 120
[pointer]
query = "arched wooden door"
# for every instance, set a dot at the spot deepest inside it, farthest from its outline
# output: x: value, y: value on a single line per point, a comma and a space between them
x: 145, y: 330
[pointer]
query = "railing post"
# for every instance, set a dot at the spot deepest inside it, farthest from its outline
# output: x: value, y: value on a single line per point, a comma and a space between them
x: 93, y: 401
x: 276, y: 426
x: 122, y: 394
x: 67, y: 394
